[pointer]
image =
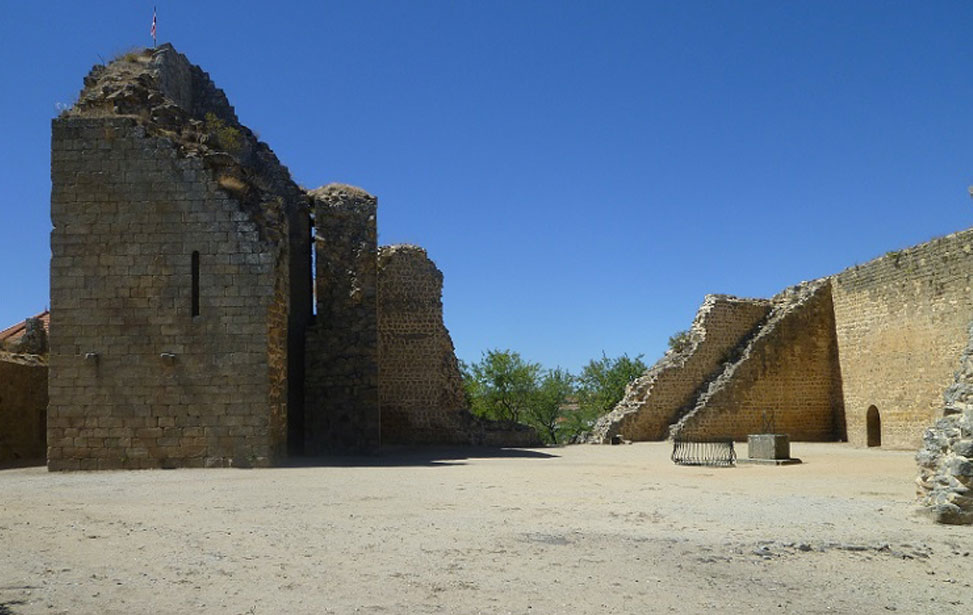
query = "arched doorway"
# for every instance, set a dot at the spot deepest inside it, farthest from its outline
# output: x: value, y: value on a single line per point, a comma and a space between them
x: 873, y: 425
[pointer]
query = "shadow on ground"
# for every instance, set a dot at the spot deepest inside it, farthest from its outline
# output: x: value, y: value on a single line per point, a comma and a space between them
x: 6, y: 608
x: 11, y: 464
x: 395, y: 456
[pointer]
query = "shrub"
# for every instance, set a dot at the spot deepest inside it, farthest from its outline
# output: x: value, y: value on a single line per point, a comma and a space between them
x: 501, y: 386
x: 135, y: 54
x: 601, y: 386
x: 227, y: 137
x: 679, y: 341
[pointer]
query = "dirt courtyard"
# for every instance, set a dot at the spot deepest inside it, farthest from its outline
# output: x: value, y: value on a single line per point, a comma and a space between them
x: 582, y: 529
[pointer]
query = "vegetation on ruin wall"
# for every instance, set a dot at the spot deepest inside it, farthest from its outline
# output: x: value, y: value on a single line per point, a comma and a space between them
x: 226, y: 136
x: 503, y: 386
x: 679, y: 341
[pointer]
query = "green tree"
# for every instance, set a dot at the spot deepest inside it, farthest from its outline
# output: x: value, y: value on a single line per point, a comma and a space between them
x: 545, y: 412
x: 501, y: 385
x: 601, y: 385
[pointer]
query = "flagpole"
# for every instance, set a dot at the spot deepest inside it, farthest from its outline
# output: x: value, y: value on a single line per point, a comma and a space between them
x: 154, y: 43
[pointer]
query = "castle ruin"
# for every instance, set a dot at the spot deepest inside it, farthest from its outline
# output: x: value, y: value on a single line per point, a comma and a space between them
x: 183, y: 332
x: 190, y: 330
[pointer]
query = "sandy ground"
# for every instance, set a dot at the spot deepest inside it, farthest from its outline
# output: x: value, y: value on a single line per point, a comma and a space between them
x: 584, y: 529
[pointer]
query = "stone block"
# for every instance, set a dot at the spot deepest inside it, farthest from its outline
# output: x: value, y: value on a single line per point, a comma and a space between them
x: 768, y: 446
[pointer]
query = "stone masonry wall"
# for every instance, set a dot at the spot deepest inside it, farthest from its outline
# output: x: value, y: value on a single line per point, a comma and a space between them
x: 145, y: 189
x: 788, y: 370
x: 421, y: 390
x: 342, y: 390
x: 23, y: 408
x: 136, y: 379
x: 901, y: 320
x: 656, y: 399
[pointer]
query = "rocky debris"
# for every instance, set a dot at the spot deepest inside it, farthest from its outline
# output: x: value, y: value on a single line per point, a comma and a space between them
x: 945, y: 481
x: 171, y: 98
x: 769, y: 552
x: 29, y: 360
x: 771, y: 549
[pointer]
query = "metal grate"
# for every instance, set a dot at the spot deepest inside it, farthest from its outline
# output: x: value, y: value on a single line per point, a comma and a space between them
x: 703, y: 453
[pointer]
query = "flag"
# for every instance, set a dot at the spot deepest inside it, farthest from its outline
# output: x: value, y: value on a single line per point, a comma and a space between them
x: 152, y: 31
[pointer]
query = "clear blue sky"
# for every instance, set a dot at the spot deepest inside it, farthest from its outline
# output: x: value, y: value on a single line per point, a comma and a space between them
x: 582, y: 172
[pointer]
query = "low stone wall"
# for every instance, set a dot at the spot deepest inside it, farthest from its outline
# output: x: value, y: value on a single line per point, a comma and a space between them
x: 23, y: 409
x: 945, y: 482
x: 788, y: 371
x: 655, y: 399
x: 483, y: 432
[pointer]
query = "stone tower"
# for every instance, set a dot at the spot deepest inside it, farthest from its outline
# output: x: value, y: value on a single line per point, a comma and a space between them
x: 342, y: 413
x: 179, y: 276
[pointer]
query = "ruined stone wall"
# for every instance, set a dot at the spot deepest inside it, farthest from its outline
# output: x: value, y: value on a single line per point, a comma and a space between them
x: 901, y: 320
x: 421, y: 390
x: 158, y: 214
x: 789, y: 370
x: 944, y: 486
x: 342, y: 399
x: 23, y: 408
x: 656, y: 399
x: 33, y: 340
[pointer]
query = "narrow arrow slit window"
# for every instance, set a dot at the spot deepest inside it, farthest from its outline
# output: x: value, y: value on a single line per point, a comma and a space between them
x: 195, y: 288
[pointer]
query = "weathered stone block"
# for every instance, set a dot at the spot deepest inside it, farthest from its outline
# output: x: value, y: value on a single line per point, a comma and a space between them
x: 768, y: 446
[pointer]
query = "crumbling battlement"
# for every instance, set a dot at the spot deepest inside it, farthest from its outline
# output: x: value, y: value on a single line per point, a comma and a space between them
x: 29, y: 337
x: 161, y: 91
x: 180, y: 279
x: 657, y: 399
x: 787, y: 371
x: 901, y: 321
x: 421, y: 388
